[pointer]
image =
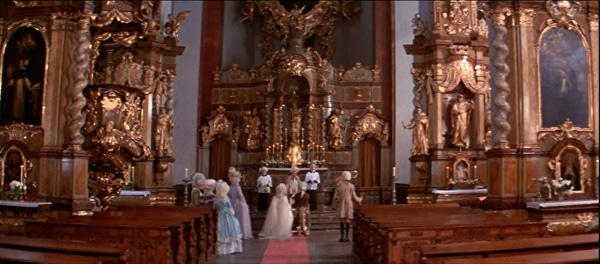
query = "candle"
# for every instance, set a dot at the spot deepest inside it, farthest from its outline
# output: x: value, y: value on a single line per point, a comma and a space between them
x: 597, y: 168
x: 447, y: 172
x: 1, y: 172
x: 475, y: 171
x: 186, y: 173
x: 21, y: 173
x: 394, y: 172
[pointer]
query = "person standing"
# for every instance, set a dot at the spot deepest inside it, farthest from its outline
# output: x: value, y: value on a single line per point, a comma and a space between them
x: 279, y: 220
x: 240, y: 207
x: 312, y: 179
x: 229, y: 232
x: 264, y: 184
x: 343, y: 199
x: 302, y: 210
x: 293, y: 182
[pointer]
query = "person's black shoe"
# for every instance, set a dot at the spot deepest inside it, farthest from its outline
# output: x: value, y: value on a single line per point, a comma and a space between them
x: 346, y: 240
x: 341, y: 239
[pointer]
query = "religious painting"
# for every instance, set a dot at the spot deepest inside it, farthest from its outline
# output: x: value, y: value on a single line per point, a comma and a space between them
x: 23, y: 72
x: 564, y: 75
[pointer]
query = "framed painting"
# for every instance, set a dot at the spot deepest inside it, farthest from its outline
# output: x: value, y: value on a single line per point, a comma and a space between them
x: 23, y: 74
x: 564, y: 79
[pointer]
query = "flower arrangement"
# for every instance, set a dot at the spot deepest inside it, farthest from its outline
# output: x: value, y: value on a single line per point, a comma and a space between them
x: 451, y: 184
x: 16, y: 188
x: 318, y: 163
x: 561, y: 187
x: 272, y: 163
x: 473, y: 183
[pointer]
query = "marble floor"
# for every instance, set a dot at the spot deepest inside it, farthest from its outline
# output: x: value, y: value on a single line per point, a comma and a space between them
x: 323, y: 247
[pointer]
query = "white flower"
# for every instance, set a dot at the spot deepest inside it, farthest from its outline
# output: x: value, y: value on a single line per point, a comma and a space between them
x: 15, y: 184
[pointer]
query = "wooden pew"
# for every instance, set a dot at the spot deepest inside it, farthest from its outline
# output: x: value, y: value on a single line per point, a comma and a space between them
x: 14, y: 256
x: 439, y: 253
x: 398, y: 240
x: 202, y: 226
x: 40, y: 250
x: 566, y: 257
x: 148, y: 240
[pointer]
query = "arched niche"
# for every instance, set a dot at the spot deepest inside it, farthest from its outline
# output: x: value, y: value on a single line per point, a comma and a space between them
x: 15, y: 163
x: 568, y: 162
x: 23, y: 76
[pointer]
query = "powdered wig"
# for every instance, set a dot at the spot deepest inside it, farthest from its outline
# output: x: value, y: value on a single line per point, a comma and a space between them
x: 209, y: 186
x: 303, y: 186
x: 197, y: 178
x: 294, y: 169
x: 222, y: 189
x: 346, y: 175
x: 281, y: 188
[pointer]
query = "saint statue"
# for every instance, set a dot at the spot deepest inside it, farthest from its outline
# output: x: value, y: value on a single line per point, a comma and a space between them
x: 420, y: 126
x: 334, y: 130
x: 460, y: 113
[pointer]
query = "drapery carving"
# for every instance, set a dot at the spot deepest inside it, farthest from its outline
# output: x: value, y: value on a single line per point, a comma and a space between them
x: 447, y: 77
x: 370, y: 123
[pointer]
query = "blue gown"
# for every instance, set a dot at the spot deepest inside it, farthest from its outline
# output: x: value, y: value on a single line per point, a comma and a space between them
x: 229, y: 233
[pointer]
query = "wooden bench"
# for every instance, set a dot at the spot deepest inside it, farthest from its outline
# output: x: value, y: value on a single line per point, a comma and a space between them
x: 100, y: 252
x: 200, y: 222
x: 566, y: 257
x: 148, y: 240
x: 385, y: 237
x: 439, y: 253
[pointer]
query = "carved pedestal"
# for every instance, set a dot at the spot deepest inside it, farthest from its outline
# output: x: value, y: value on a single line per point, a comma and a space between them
x: 75, y: 178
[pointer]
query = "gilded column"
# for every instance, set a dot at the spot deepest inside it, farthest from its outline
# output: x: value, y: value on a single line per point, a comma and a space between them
x: 594, y: 46
x: 499, y: 61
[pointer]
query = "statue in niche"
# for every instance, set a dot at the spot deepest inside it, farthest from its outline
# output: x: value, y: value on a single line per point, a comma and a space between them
x: 334, y: 130
x: 252, y: 129
x: 462, y: 171
x: 296, y: 124
x: 569, y: 167
x: 420, y: 127
x: 460, y: 114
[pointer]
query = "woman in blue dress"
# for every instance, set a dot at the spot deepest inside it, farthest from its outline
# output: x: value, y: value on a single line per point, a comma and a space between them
x: 229, y: 233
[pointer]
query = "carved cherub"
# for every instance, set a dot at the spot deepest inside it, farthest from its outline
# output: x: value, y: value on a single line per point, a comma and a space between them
x: 174, y: 25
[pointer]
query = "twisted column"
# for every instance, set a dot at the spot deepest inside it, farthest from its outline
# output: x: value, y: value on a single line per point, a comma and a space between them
x: 500, y: 80
x: 79, y: 71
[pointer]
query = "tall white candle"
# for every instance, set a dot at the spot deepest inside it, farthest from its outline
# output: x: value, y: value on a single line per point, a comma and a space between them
x: 186, y: 173
x: 394, y: 171
x: 21, y: 176
x: 475, y: 171
x: 447, y: 172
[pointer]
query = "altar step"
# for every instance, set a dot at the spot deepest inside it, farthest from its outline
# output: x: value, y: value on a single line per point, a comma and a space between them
x: 320, y: 220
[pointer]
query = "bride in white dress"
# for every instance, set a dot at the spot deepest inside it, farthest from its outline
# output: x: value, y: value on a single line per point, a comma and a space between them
x: 278, y: 223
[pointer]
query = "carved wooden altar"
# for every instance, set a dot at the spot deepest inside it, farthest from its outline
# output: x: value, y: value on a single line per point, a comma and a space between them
x: 98, y: 102
x: 535, y: 44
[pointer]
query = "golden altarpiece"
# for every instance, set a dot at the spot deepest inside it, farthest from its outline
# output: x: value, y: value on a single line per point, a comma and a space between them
x: 87, y: 101
x: 297, y: 109
x: 529, y: 149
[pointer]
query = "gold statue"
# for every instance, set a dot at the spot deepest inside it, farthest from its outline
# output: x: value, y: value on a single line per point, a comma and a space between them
x: 420, y: 127
x: 461, y: 111
x: 294, y: 155
x: 334, y: 130
x: 252, y: 130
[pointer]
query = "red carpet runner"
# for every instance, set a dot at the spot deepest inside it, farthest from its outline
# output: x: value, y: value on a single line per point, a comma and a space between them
x: 292, y: 251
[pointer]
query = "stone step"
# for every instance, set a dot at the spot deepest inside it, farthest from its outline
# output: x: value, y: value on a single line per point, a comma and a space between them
x: 320, y: 220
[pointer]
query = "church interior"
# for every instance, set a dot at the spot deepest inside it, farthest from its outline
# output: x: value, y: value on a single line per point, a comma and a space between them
x: 469, y: 127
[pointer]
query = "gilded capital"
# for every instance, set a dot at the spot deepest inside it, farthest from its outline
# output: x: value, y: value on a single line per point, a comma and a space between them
x: 525, y: 17
x: 499, y: 15
x: 593, y: 18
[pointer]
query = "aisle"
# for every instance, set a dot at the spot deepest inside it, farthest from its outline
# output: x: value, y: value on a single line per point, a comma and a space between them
x: 322, y: 246
x: 290, y: 251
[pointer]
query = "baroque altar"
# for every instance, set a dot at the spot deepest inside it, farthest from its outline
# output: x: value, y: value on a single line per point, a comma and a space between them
x: 296, y: 108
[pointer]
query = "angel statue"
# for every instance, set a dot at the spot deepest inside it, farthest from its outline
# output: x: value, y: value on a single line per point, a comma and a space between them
x: 174, y: 25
